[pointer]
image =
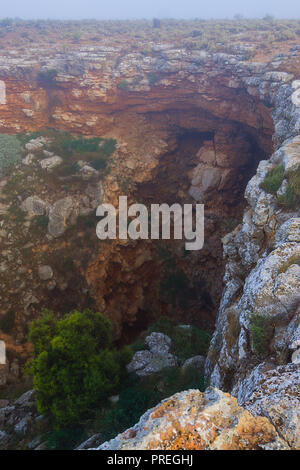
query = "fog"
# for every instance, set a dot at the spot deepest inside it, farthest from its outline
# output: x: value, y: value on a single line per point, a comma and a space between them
x: 129, y: 9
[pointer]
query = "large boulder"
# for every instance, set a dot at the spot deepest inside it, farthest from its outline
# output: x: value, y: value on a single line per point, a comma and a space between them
x: 34, y: 206
x: 192, y: 420
x: 51, y: 162
x: 59, y: 215
x: 157, y: 358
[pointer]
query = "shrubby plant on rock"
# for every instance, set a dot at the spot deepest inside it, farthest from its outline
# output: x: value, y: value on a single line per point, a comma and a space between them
x: 74, y: 363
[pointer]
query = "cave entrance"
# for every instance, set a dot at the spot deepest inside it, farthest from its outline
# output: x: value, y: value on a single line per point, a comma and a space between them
x: 213, y: 168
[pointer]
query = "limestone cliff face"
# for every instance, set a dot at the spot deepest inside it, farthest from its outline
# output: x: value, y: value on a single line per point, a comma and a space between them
x: 262, y: 280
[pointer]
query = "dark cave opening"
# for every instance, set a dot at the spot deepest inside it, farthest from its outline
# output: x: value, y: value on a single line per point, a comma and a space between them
x: 199, y: 275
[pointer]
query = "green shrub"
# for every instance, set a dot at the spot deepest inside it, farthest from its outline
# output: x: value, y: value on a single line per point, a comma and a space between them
x: 186, y: 342
x: 97, y: 148
x: 269, y: 18
x: 74, y: 364
x: 133, y: 403
x: 81, y: 145
x: 99, y: 163
x: 294, y: 181
x: 273, y: 180
x: 42, y: 221
x: 291, y: 198
x: 25, y: 138
x: 66, y: 439
x: 10, y: 152
x: 190, y: 342
x: 172, y: 287
x: 152, y: 79
x: 123, y: 85
x: 16, y: 214
x: 176, y: 380
x: 261, y: 330
x: 140, y: 394
x: 47, y: 78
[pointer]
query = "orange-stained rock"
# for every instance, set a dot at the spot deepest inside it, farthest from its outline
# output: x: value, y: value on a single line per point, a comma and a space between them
x: 192, y: 420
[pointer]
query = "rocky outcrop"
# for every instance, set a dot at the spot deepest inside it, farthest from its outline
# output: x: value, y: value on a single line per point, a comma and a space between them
x: 33, y: 205
x: 59, y: 215
x: 261, y: 278
x: 274, y: 392
x: 192, y: 420
x: 155, y: 359
x: 17, y: 419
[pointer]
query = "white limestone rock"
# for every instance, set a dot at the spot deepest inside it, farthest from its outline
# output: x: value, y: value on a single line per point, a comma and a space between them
x: 51, y: 162
x: 34, y: 206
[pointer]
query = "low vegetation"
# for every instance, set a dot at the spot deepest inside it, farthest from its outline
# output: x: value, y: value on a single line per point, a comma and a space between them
x: 123, y: 85
x: 291, y: 198
x: 10, y: 152
x: 76, y: 368
x: 141, y: 394
x: 47, y: 78
x: 261, y: 330
x: 273, y: 180
x: 96, y: 150
x: 74, y: 364
x: 7, y: 321
x: 186, y: 342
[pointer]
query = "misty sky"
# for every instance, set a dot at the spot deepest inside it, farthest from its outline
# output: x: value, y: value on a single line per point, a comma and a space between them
x: 126, y: 9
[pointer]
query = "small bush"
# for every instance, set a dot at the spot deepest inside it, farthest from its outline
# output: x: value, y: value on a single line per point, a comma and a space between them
x: 141, y: 394
x: 42, y: 221
x: 99, y: 163
x: 294, y: 181
x: 152, y: 79
x: 133, y: 403
x: 176, y: 380
x: 269, y: 18
x: 123, y: 85
x: 10, y: 152
x: 261, y: 331
x: 47, y: 78
x: 273, y: 180
x: 66, y: 439
x: 186, y: 342
x: 291, y: 198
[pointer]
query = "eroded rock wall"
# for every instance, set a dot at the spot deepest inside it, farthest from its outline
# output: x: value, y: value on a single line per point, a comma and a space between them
x: 238, y: 104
